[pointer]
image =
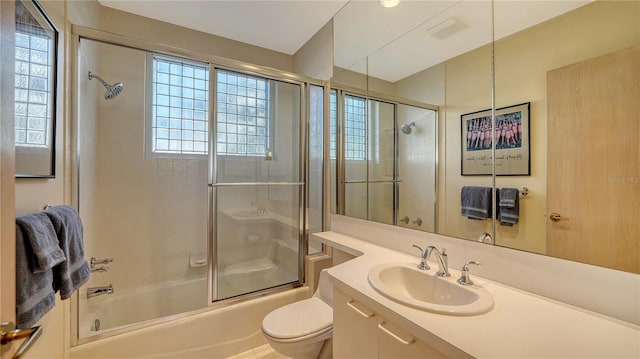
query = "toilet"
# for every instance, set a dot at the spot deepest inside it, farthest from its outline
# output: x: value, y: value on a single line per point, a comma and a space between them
x: 303, y: 330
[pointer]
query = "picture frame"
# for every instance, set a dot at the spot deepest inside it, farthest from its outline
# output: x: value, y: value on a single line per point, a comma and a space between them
x: 512, y: 147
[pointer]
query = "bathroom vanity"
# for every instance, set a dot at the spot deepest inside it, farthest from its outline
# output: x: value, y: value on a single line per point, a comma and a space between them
x: 520, y: 324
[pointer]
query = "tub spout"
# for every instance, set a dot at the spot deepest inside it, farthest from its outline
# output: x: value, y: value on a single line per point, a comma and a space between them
x: 96, y: 291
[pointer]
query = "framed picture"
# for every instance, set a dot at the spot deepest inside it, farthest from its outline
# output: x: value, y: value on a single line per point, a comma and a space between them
x: 511, y: 142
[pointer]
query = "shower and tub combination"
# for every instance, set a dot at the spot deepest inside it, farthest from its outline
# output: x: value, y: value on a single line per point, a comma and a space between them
x: 193, y: 181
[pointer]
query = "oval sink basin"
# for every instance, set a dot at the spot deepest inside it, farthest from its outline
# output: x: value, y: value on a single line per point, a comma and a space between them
x: 407, y: 285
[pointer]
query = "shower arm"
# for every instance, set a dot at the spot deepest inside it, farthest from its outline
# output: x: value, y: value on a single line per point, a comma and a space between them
x: 92, y: 76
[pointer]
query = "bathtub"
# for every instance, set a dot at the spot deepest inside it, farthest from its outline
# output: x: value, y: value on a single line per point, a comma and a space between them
x: 214, y: 333
x: 138, y: 305
x: 111, y: 312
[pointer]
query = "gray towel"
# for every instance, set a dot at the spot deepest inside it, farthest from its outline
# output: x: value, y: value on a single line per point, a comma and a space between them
x: 34, y: 292
x: 70, y: 275
x: 508, y: 206
x: 476, y: 202
x: 38, y: 230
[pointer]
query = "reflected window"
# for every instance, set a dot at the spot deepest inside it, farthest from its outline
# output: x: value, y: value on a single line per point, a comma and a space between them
x: 34, y: 84
x: 180, y: 93
x: 333, y: 124
x: 243, y: 111
x: 354, y: 127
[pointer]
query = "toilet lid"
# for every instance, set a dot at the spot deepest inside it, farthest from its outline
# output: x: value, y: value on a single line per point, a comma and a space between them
x: 298, y: 319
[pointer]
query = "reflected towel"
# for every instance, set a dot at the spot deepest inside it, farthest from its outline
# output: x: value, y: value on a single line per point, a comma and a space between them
x: 70, y: 275
x: 476, y: 202
x: 508, y: 206
x: 34, y: 291
x: 43, y: 249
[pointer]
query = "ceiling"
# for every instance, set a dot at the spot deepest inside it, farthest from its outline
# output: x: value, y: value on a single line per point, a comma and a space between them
x: 282, y: 26
x: 398, y: 43
x: 397, y: 40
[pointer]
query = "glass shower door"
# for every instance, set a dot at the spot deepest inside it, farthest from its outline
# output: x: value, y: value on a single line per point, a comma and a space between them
x: 256, y: 183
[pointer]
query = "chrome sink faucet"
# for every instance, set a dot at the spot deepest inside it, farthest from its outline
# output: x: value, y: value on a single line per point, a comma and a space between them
x: 442, y: 260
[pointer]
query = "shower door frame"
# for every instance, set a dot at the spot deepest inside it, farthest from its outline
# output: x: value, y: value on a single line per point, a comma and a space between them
x: 78, y: 32
x: 213, y: 186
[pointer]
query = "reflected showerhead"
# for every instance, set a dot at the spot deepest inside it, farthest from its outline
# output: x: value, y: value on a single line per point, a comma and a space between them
x: 406, y: 128
x: 112, y: 90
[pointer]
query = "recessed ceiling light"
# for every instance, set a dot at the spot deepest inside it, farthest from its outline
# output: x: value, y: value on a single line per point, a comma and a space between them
x: 389, y: 3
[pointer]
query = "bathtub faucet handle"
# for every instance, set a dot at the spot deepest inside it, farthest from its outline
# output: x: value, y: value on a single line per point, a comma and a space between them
x: 95, y: 261
x: 96, y: 291
x: 100, y: 269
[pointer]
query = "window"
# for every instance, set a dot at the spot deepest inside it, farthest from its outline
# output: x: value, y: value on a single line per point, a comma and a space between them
x: 354, y: 128
x: 243, y: 114
x: 180, y: 93
x: 34, y: 85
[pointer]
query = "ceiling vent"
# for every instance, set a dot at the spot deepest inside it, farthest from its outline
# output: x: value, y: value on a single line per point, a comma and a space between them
x: 446, y: 28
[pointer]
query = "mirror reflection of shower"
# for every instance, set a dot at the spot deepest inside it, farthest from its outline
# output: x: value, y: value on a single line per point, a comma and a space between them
x: 112, y: 90
x: 406, y: 128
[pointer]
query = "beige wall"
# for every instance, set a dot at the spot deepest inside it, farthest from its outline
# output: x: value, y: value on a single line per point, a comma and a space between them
x: 7, y: 165
x: 315, y: 58
x: 154, y: 31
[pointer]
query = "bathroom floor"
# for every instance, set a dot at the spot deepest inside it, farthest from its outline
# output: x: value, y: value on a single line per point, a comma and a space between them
x: 261, y: 352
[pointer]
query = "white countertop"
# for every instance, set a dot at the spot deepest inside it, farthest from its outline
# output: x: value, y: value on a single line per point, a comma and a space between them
x: 521, y: 324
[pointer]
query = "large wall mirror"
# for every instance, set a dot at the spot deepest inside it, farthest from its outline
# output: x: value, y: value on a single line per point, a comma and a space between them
x: 574, y: 62
x: 35, y: 91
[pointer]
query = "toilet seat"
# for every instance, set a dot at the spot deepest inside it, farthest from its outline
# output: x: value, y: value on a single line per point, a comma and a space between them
x: 299, y: 321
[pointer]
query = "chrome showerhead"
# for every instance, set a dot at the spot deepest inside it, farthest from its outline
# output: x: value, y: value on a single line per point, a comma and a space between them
x: 406, y: 128
x: 112, y: 90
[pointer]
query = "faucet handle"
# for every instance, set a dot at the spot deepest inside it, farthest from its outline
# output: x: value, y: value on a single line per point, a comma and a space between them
x: 423, y: 254
x: 465, y: 279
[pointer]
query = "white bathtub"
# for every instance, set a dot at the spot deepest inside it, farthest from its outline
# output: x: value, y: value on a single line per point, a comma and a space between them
x: 141, y: 304
x: 109, y: 312
x: 217, y: 333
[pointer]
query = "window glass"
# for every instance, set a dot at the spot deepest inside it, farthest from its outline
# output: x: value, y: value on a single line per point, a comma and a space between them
x: 243, y: 114
x: 34, y: 51
x: 180, y: 92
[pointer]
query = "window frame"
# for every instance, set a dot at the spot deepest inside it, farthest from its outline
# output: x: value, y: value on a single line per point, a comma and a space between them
x: 212, y: 111
x: 25, y: 150
x: 149, y: 151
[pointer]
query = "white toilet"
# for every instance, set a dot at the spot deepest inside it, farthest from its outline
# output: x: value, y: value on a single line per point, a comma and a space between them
x: 303, y: 330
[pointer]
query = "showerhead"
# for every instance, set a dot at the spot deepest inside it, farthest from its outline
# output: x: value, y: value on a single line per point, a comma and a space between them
x: 406, y: 128
x: 112, y: 90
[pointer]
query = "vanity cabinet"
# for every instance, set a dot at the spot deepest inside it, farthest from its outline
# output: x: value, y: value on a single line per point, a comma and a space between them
x: 361, y: 333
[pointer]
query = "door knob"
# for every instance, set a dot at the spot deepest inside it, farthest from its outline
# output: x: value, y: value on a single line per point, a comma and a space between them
x: 556, y: 217
x: 10, y: 333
